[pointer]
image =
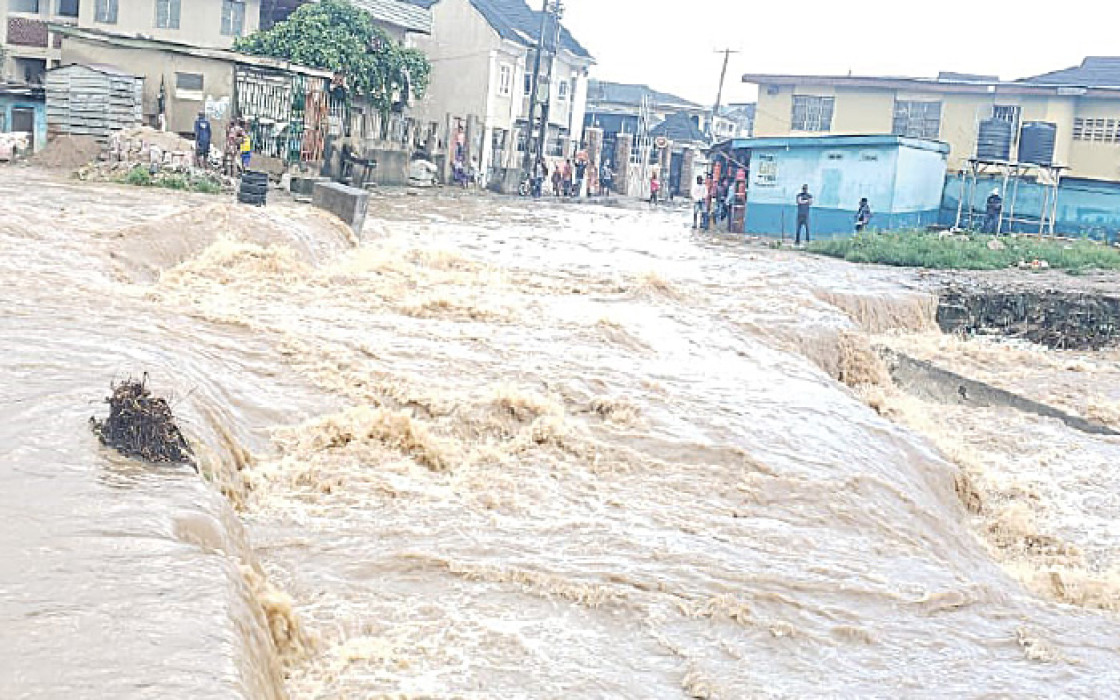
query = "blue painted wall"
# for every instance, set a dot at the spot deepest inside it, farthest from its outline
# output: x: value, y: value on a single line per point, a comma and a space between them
x: 903, y: 184
x: 8, y: 103
x: 1085, y: 207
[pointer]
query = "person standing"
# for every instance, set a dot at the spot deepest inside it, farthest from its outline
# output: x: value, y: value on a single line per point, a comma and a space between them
x: 246, y: 150
x: 557, y: 180
x: 992, y: 211
x: 234, y: 135
x: 606, y: 179
x: 202, y: 134
x: 566, y: 178
x: 654, y: 188
x: 804, y: 204
x: 698, y: 194
x: 581, y: 172
x: 540, y: 172
x: 863, y: 215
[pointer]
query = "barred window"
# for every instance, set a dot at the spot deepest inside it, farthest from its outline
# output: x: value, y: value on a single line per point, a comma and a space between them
x: 167, y: 14
x: 812, y: 113
x: 920, y: 120
x: 1099, y: 130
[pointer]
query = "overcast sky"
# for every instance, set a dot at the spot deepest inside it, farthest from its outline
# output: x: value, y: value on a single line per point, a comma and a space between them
x: 670, y: 44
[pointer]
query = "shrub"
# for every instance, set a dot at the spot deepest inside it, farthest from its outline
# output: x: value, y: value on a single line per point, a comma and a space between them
x: 967, y: 252
x: 138, y: 176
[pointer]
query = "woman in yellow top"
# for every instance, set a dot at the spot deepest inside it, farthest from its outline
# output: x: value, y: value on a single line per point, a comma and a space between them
x: 246, y: 150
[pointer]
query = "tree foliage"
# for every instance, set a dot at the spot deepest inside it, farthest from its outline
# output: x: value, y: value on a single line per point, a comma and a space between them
x: 337, y: 36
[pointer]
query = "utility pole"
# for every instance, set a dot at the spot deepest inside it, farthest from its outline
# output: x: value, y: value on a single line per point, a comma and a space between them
x: 549, y: 8
x: 525, y: 160
x: 719, y: 94
x: 556, y: 10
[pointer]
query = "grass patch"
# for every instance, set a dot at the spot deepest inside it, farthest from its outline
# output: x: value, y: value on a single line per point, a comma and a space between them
x: 967, y: 252
x: 139, y: 176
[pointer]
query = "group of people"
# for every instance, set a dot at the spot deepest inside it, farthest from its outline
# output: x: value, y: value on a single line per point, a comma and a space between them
x: 239, y: 144
x: 712, y: 201
x: 568, y: 178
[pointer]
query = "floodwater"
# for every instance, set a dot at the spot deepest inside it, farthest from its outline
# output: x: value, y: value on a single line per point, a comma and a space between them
x: 499, y: 450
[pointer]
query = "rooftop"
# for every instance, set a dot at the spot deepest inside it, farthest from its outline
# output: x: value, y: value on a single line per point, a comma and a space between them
x: 679, y: 128
x: 787, y: 142
x: 631, y: 94
x: 515, y: 21
x: 1096, y: 75
x: 134, y: 42
x: 1094, y: 71
x: 410, y: 15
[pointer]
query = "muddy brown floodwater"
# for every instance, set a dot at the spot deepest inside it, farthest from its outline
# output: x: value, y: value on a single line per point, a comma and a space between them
x: 509, y: 450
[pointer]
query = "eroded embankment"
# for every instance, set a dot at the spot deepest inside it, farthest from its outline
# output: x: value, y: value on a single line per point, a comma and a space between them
x: 1034, y: 454
x: 1057, y: 318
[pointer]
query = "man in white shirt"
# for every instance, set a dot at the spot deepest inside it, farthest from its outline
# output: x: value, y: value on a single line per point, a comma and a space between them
x: 699, y: 196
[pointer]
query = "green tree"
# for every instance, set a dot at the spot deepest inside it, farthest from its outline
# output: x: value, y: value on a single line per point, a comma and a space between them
x: 337, y: 36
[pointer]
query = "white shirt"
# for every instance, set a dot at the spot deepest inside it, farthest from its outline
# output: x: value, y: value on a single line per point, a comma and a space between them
x: 699, y: 192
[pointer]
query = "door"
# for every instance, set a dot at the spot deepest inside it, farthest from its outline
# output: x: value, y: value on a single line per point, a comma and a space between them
x: 23, y: 119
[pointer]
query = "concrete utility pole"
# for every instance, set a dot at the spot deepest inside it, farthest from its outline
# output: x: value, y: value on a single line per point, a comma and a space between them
x: 719, y: 94
x: 525, y: 160
x: 556, y: 11
x: 556, y: 8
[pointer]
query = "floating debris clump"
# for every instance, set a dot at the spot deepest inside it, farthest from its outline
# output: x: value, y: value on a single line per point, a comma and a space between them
x: 141, y: 425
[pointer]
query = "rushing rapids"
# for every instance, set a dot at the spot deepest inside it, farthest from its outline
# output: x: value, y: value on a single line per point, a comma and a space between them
x: 507, y: 450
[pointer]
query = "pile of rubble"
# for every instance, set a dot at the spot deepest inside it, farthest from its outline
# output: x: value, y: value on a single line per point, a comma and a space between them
x: 158, y: 174
x: 161, y: 154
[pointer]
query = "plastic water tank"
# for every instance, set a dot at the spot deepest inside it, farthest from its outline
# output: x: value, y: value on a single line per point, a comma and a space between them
x: 994, y: 140
x: 1036, y: 143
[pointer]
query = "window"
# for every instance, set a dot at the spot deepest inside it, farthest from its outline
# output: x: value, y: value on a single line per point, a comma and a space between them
x: 1009, y: 114
x: 31, y: 6
x: 167, y: 14
x: 562, y: 91
x: 1098, y: 130
x: 233, y: 17
x: 921, y: 120
x: 188, y: 81
x: 767, y: 175
x: 812, y: 113
x: 105, y: 11
x: 505, y: 80
x: 66, y: 8
x: 528, y: 83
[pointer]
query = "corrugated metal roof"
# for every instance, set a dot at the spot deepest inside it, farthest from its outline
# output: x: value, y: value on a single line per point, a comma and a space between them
x: 1094, y: 71
x: 159, y: 45
x: 410, y: 16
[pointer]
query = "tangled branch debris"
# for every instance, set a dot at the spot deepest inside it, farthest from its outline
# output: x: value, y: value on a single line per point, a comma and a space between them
x: 141, y: 425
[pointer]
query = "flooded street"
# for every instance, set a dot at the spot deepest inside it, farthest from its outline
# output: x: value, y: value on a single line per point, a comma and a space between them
x: 505, y: 450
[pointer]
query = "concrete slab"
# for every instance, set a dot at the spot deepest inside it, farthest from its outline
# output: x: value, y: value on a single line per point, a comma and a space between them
x: 347, y: 203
